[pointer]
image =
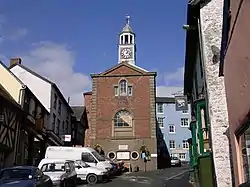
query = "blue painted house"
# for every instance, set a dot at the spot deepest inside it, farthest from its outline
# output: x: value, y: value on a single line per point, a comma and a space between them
x: 174, y: 127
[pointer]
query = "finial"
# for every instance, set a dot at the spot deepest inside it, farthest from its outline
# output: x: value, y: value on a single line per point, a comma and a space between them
x: 127, y: 19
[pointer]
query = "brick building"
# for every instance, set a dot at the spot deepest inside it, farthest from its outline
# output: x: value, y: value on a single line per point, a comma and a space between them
x: 121, y: 108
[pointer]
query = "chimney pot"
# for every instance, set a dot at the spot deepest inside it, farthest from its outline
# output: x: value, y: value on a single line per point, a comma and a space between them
x: 14, y: 61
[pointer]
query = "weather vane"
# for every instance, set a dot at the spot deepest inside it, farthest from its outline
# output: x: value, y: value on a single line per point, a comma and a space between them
x: 127, y: 19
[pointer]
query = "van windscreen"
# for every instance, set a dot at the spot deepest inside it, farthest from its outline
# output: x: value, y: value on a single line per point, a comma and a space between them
x: 98, y: 156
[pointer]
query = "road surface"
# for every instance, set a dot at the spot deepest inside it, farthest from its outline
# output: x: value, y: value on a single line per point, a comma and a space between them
x: 170, y: 177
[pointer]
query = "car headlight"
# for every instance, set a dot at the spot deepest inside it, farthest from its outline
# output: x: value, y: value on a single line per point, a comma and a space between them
x: 103, y: 173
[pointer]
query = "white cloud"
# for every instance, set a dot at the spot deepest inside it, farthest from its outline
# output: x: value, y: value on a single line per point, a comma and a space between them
x: 168, y: 91
x: 172, y: 83
x: 175, y: 77
x: 18, y: 33
x: 56, y: 62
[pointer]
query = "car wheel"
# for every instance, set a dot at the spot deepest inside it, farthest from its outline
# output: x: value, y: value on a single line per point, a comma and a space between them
x: 92, y: 179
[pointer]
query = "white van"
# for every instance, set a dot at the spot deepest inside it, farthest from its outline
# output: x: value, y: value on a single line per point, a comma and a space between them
x: 83, y: 171
x: 86, y: 154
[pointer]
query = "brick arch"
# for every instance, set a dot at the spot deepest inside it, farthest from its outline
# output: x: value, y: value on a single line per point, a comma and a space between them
x: 120, y: 109
x: 130, y: 130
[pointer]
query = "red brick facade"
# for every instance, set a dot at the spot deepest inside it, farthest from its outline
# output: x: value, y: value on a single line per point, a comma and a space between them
x: 103, y: 104
x: 87, y: 102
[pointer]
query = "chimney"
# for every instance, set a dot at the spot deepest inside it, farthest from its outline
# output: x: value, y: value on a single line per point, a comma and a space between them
x: 14, y: 61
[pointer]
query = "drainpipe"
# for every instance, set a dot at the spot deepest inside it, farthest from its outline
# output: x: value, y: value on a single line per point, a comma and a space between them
x: 18, y: 133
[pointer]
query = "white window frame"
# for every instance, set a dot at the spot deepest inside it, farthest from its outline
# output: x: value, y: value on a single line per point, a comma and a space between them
x: 172, y: 142
x: 130, y: 90
x: 169, y: 126
x: 185, y: 144
x: 183, y: 122
x: 158, y: 120
x: 161, y: 112
x: 182, y: 158
x: 116, y: 90
x: 123, y: 86
x: 185, y: 111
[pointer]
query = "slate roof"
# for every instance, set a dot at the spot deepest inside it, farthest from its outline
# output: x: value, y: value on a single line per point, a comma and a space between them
x: 78, y: 111
x: 165, y: 100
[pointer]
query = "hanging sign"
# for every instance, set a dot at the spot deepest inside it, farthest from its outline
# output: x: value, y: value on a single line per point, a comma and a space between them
x: 181, y: 103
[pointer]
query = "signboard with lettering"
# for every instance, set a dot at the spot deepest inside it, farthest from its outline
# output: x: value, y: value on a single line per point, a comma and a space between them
x: 181, y: 103
x: 123, y: 147
x: 123, y: 155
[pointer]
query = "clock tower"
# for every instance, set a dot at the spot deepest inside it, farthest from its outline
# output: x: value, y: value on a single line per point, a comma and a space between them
x: 127, y: 47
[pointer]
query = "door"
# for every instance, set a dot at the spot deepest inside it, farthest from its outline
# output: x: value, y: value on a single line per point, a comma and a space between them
x: 89, y: 159
x: 80, y: 171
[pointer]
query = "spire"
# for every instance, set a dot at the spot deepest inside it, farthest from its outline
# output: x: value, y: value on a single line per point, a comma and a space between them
x: 127, y: 19
x: 127, y: 27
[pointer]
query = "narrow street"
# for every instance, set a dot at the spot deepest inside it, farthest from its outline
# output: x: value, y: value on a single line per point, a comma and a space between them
x: 171, y: 177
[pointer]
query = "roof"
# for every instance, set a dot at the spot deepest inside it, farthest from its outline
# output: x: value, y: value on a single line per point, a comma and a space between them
x: 127, y: 28
x: 46, y: 80
x: 1, y: 63
x: 134, y: 67
x: 87, y: 93
x: 23, y: 85
x: 20, y: 167
x: 78, y: 111
x: 53, y: 160
x: 192, y: 38
x: 165, y: 100
x: 5, y: 94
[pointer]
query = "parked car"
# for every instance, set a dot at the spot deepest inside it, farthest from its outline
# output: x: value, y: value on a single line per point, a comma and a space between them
x: 117, y: 167
x: 90, y: 174
x: 24, y: 176
x: 175, y: 161
x: 62, y: 172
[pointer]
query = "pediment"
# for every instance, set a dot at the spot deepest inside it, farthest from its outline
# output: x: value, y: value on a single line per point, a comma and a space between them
x: 124, y: 69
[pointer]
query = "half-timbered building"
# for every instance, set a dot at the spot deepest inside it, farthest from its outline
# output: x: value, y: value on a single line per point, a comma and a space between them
x: 11, y: 118
x: 32, y: 126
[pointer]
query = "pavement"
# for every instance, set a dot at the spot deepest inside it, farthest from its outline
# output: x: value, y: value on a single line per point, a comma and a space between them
x: 170, y: 177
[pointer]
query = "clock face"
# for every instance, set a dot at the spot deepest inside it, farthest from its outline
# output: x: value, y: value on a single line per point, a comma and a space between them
x: 126, y: 53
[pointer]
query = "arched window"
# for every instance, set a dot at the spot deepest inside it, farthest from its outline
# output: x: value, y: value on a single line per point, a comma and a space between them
x: 123, y: 118
x: 123, y: 87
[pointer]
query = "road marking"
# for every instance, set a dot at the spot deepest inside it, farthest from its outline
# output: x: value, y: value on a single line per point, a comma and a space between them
x: 174, y: 176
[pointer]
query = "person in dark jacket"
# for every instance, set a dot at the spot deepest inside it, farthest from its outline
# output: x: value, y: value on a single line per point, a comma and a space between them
x: 99, y: 150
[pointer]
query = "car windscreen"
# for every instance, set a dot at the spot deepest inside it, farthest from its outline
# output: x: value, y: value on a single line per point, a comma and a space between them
x: 98, y: 156
x: 21, y: 174
x: 53, y: 167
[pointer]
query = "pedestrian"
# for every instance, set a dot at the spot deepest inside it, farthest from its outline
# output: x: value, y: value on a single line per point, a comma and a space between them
x: 99, y: 149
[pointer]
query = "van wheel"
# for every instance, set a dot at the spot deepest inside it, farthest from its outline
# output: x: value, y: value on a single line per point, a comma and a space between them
x: 92, y: 179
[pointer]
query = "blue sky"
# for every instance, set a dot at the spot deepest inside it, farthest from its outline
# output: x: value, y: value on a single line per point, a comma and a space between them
x: 68, y: 40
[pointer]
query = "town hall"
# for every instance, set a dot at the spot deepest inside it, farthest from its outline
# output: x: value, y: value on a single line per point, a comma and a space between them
x: 121, y: 108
